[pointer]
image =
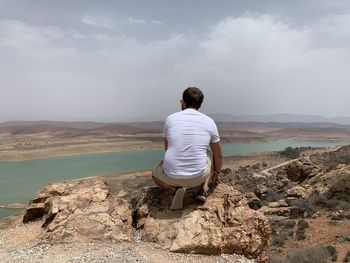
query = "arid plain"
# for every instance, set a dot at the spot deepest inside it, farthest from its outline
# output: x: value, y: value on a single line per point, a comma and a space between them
x: 293, y: 192
x: 43, y: 139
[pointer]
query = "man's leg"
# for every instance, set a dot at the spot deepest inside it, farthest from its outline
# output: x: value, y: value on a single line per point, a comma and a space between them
x: 157, y: 174
x: 205, y: 185
x: 163, y: 185
x: 210, y: 165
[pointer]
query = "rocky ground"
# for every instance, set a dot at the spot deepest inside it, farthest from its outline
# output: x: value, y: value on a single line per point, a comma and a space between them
x: 91, y: 221
x: 305, y: 200
x: 19, y: 244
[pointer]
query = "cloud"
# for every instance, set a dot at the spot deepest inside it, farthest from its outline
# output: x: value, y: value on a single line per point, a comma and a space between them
x: 136, y: 21
x: 157, y: 22
x: 22, y: 39
x: 245, y: 65
x: 97, y: 21
x: 333, y: 30
x: 337, y: 4
x: 263, y: 64
x: 21, y: 35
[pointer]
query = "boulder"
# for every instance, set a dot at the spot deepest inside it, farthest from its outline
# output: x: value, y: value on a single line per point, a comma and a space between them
x: 80, y: 211
x: 224, y: 224
x: 253, y: 201
x: 279, y: 211
x: 88, y: 211
x: 261, y: 190
x: 297, y: 192
x: 300, y: 170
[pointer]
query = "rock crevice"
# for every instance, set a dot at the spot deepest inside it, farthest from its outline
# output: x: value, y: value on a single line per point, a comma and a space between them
x: 86, y: 211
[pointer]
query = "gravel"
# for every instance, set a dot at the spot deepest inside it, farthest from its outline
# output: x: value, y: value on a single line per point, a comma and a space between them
x: 137, y: 252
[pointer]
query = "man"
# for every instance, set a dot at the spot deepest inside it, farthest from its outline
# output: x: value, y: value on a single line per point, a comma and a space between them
x: 193, y: 154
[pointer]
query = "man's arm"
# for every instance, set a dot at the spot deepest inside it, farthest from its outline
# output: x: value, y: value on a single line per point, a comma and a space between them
x: 165, y: 143
x: 217, y: 159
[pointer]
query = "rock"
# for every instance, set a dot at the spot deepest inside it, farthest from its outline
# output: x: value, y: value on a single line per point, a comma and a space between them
x: 35, y: 211
x: 346, y: 238
x: 261, y: 190
x: 300, y: 170
x: 226, y: 171
x: 290, y: 200
x: 224, y: 224
x: 88, y: 211
x: 253, y: 201
x: 273, y: 205
x: 82, y: 212
x: 280, y: 211
x: 296, y: 212
x: 256, y: 166
x: 122, y: 193
x: 283, y: 203
x: 297, y: 192
x: 293, y: 172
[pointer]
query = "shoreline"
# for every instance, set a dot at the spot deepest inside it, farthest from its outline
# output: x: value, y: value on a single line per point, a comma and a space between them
x: 137, y: 148
x: 130, y: 149
x: 137, y: 173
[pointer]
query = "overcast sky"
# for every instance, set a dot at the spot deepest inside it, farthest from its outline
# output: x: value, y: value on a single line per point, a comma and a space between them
x: 131, y: 60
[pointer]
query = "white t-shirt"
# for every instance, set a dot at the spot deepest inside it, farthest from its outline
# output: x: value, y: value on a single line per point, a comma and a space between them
x: 189, y: 134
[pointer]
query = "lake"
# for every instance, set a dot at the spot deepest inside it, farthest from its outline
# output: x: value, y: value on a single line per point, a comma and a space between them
x: 19, y: 181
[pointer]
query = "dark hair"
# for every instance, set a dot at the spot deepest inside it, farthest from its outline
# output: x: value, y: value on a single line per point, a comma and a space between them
x: 193, y: 97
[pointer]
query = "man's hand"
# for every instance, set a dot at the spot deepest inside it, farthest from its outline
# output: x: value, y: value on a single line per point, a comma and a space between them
x: 215, y: 179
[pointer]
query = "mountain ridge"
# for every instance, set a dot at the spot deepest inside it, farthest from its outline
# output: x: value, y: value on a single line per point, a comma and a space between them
x: 218, y: 117
x: 280, y: 117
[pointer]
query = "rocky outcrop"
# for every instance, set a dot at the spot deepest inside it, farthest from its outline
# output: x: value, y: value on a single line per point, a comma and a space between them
x: 297, y: 192
x: 80, y: 211
x: 224, y: 224
x: 301, y: 169
x: 87, y: 211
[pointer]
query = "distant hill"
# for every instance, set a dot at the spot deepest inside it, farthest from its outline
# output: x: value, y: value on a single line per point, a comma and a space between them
x: 282, y: 118
x: 230, y: 131
x: 28, y: 127
x: 69, y: 128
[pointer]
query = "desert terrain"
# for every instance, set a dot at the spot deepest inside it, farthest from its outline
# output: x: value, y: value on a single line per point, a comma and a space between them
x: 303, y: 193
x: 42, y: 139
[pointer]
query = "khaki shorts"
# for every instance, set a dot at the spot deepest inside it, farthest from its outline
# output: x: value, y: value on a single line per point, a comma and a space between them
x: 158, y: 172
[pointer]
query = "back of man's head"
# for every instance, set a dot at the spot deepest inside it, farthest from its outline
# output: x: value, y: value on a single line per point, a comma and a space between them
x: 193, y: 97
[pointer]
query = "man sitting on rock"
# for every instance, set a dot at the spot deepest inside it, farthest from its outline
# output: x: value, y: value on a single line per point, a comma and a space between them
x: 193, y: 154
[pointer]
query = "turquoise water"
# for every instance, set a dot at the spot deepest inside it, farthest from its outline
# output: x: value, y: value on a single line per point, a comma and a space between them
x: 21, y: 180
x: 248, y: 148
x: 4, y: 212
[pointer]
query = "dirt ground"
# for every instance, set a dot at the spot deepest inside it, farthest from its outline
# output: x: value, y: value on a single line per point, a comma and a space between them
x: 18, y: 244
x: 322, y: 231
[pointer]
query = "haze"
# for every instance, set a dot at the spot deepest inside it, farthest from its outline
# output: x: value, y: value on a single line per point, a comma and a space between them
x: 130, y: 60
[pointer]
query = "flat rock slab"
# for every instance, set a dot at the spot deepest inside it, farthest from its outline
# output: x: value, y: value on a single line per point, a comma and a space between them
x: 80, y: 211
x: 87, y: 211
x: 224, y: 224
